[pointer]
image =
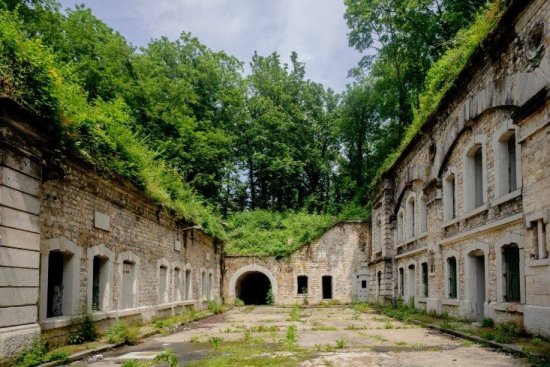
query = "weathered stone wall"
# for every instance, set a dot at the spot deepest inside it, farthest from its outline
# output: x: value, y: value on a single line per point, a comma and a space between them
x: 55, y: 218
x: 503, y: 93
x: 70, y: 207
x: 339, y: 253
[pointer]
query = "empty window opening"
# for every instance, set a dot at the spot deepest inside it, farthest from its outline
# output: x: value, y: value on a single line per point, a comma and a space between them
x: 510, y: 273
x: 177, y: 284
x: 452, y: 280
x: 188, y: 285
x: 364, y: 284
x: 410, y: 218
x: 327, y: 286
x: 128, y: 280
x: 425, y: 279
x: 57, y: 262
x: 474, y: 185
x: 539, y: 239
x: 423, y: 214
x: 379, y: 282
x: 449, y: 197
x: 511, y: 166
x: 400, y: 227
x: 253, y: 288
x: 302, y: 284
x: 210, y: 285
x: 99, y: 283
x: 204, y: 287
x: 411, y: 280
x: 401, y: 282
x: 163, y: 291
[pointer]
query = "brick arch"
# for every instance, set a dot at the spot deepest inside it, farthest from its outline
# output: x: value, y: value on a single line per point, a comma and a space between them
x: 252, y: 268
x: 510, y: 92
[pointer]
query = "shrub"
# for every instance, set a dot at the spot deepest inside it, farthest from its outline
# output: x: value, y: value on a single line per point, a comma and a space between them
x: 238, y: 302
x: 341, y: 343
x: 215, y: 341
x: 169, y: 357
x: 131, y: 363
x: 487, y: 322
x: 269, y: 297
x: 294, y: 313
x: 83, y: 330
x: 291, y: 333
x: 120, y: 333
x: 215, y: 306
x: 38, y: 354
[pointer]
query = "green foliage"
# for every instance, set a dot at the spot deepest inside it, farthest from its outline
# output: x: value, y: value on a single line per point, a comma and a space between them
x: 341, y: 343
x: 38, y: 354
x: 238, y: 302
x: 295, y: 313
x: 215, y: 306
x: 121, y: 333
x: 442, y: 75
x: 215, y: 341
x: 167, y: 356
x: 83, y: 329
x: 269, y: 298
x: 291, y: 332
x: 132, y: 363
x: 27, y: 68
x: 263, y: 232
x: 487, y: 322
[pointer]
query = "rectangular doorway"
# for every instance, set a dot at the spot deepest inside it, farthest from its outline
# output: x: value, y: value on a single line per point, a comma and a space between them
x: 327, y: 286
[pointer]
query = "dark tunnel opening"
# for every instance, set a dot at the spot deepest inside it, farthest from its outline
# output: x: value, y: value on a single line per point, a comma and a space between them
x: 252, y: 288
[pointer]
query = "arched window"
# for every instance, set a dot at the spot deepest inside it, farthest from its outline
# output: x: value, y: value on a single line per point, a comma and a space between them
x: 452, y: 277
x: 188, y: 285
x: 474, y: 178
x: 410, y: 218
x: 423, y: 214
x: 449, y: 196
x: 425, y: 279
x: 177, y: 284
x: 507, y: 161
x: 510, y: 273
x: 401, y: 282
x: 400, y: 227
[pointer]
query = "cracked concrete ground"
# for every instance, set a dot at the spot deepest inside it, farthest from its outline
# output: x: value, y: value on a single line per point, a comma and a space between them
x: 337, y: 336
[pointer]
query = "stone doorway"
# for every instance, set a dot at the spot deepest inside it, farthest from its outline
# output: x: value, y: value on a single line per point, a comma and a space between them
x: 253, y: 288
x: 477, y: 283
x: 327, y: 287
x: 362, y: 288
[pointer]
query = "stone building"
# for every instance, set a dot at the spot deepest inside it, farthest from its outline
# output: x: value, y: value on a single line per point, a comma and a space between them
x: 330, y: 269
x: 460, y: 221
x: 72, y: 240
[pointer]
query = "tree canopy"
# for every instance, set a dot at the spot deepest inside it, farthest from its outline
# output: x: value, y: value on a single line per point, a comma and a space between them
x: 275, y: 156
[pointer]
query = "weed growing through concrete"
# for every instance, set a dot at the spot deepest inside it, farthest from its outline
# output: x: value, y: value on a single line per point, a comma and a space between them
x: 291, y: 333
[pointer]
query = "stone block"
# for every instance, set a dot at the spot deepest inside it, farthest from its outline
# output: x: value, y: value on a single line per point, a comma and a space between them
x: 22, y: 164
x: 11, y: 237
x: 19, y: 200
x: 12, y: 316
x: 20, y: 220
x: 18, y: 296
x: 102, y: 221
x: 177, y: 245
x: 536, y: 320
x: 19, y: 181
x: 12, y: 257
x: 15, y: 339
x: 16, y: 277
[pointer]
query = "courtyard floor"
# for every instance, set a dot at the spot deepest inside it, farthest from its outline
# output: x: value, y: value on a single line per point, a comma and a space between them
x: 323, y: 336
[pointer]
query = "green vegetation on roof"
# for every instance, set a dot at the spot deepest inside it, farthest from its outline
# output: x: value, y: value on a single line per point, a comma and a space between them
x: 443, y: 74
x: 268, y: 233
x: 97, y: 131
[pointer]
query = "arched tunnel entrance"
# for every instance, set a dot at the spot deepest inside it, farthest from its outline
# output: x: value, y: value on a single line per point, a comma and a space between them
x: 252, y: 288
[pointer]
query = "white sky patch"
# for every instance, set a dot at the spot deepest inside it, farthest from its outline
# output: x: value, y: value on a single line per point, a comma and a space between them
x: 315, y: 29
